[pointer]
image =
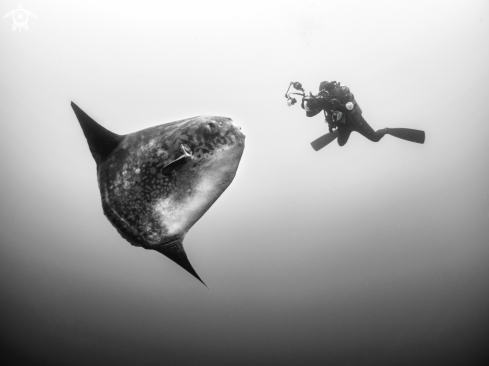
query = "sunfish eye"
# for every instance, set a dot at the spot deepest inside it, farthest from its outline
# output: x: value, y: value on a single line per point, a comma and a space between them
x: 211, y: 127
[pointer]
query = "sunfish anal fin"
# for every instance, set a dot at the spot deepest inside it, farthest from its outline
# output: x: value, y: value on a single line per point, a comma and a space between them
x: 174, y: 250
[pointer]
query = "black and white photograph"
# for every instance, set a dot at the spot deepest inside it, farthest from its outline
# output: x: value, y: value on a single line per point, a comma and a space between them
x: 245, y: 183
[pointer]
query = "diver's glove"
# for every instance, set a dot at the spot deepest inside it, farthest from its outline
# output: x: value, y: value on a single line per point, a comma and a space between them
x: 323, y: 94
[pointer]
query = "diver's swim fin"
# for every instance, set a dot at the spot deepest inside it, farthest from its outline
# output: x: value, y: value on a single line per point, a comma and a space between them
x: 324, y: 140
x: 407, y: 134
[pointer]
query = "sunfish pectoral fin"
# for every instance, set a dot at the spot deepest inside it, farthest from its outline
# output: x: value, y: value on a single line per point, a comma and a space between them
x: 174, y: 250
x: 182, y: 159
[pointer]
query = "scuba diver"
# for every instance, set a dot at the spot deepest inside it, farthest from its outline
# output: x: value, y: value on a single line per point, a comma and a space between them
x: 344, y: 115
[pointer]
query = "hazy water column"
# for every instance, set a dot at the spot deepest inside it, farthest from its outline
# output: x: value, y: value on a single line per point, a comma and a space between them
x: 363, y: 254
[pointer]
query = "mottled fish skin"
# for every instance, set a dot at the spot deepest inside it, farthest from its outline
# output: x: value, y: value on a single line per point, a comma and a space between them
x: 150, y: 206
x: 156, y: 183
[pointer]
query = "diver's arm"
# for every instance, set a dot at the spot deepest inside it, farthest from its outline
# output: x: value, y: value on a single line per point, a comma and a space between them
x: 338, y: 106
x: 342, y: 96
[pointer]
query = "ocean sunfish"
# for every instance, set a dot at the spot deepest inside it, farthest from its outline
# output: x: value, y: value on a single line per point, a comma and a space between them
x: 156, y: 183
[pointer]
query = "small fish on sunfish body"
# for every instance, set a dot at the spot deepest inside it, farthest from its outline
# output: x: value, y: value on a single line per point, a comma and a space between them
x: 155, y: 184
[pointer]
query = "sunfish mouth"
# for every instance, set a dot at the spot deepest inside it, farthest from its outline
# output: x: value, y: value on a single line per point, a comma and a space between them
x: 239, y: 133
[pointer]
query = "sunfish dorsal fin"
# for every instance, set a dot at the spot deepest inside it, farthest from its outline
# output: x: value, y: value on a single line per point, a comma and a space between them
x: 100, y: 140
x: 174, y: 250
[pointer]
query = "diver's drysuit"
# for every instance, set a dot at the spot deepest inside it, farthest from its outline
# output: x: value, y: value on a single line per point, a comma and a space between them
x: 344, y: 115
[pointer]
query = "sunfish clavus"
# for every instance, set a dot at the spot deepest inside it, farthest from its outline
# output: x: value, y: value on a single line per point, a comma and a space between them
x: 156, y: 183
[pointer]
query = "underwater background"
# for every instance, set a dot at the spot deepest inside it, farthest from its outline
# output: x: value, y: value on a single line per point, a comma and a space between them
x: 368, y: 254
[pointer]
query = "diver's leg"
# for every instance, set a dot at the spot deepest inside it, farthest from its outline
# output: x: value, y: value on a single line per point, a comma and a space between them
x: 343, y: 135
x: 363, y: 128
x: 358, y: 123
x: 401, y: 133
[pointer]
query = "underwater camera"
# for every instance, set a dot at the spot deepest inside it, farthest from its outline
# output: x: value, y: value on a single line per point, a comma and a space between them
x: 297, y: 86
